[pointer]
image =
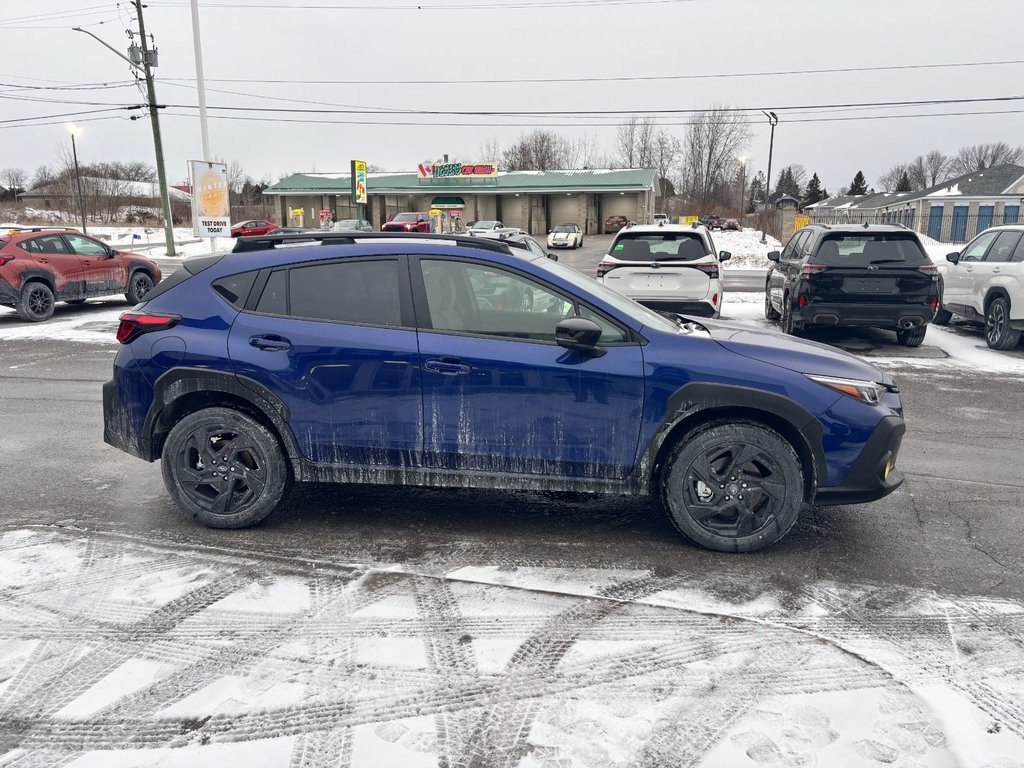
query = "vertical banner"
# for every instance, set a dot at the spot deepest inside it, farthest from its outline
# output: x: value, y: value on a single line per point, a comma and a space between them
x: 359, y: 182
x: 211, y: 214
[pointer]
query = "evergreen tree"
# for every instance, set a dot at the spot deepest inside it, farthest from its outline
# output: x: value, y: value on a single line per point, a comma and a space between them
x: 815, y: 193
x: 904, y: 185
x: 756, y: 192
x: 859, y: 185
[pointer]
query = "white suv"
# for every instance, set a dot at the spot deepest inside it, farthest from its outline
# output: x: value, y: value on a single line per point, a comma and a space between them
x: 666, y: 266
x: 985, y: 282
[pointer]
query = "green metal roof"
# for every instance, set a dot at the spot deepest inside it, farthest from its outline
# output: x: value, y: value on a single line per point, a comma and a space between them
x: 604, y: 180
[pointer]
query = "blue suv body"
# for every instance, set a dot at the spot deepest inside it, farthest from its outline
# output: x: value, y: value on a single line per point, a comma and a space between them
x: 460, y: 362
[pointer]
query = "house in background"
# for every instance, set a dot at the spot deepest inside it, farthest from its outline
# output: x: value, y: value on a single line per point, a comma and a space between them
x: 951, y: 212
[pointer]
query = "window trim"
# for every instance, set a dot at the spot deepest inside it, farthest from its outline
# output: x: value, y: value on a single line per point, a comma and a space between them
x: 423, y: 321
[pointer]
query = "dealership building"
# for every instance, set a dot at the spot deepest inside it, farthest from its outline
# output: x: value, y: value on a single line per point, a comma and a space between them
x: 532, y: 200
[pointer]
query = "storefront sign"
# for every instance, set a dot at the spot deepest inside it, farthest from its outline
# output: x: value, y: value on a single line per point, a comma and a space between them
x: 211, y: 214
x: 359, y: 182
x: 453, y: 170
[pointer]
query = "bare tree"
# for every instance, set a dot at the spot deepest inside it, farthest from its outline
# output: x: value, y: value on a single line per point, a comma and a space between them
x: 978, y: 157
x: 540, y: 150
x: 714, y: 140
x: 14, y: 179
x: 635, y: 143
x: 667, y: 149
x: 889, y: 180
x: 44, y: 175
x: 490, y: 150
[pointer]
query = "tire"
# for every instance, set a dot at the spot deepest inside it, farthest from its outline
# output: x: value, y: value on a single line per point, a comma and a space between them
x: 787, y: 322
x: 770, y: 312
x: 35, y: 304
x: 139, y: 284
x: 911, y: 337
x: 75, y: 302
x: 208, y: 444
x: 998, y: 333
x: 942, y: 316
x: 708, y: 472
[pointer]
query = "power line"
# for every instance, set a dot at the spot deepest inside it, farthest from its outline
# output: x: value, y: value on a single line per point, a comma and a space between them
x: 612, y: 79
x: 62, y: 122
x: 68, y: 114
x: 515, y: 4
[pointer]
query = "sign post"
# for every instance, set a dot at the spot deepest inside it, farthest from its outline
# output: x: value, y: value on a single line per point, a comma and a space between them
x: 359, y: 187
x: 211, y: 215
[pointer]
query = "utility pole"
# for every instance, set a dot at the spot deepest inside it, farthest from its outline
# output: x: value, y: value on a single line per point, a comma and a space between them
x: 773, y: 120
x: 161, y: 175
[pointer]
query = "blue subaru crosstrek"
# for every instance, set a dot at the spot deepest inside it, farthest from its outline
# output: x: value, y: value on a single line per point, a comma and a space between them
x: 443, y: 361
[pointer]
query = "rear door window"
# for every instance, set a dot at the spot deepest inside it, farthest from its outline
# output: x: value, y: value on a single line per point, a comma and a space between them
x: 1002, y: 248
x: 274, y: 299
x: 1018, y: 254
x: 856, y: 250
x: 45, y: 244
x: 352, y: 291
x: 655, y: 246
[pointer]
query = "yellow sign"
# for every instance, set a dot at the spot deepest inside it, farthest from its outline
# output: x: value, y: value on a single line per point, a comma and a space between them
x: 211, y: 215
x: 434, y: 212
x: 297, y: 211
x: 690, y: 219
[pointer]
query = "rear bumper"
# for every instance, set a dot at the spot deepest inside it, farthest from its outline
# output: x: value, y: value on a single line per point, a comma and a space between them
x: 118, y: 430
x: 875, y: 315
x: 696, y: 308
x: 8, y: 295
x: 868, y: 479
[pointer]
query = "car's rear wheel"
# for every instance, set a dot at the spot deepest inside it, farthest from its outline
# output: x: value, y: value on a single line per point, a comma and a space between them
x: 224, y: 468
x: 36, y: 302
x: 770, y: 312
x: 998, y: 333
x: 733, y: 487
x: 139, y: 284
x: 911, y: 337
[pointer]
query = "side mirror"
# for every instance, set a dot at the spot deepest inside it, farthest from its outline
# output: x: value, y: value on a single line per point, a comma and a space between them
x: 953, y: 258
x: 579, y: 334
x: 724, y: 255
x: 774, y: 255
x: 553, y: 256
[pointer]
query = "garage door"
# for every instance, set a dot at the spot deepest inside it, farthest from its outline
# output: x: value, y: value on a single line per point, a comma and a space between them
x: 565, y: 210
x: 619, y: 205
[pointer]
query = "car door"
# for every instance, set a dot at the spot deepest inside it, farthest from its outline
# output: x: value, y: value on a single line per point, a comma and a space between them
x: 958, y: 285
x: 335, y: 342
x: 55, y: 257
x: 103, y: 272
x: 785, y: 269
x: 993, y: 266
x: 501, y: 396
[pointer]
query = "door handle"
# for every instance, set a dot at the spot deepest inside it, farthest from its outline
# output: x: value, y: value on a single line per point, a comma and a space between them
x: 995, y: 269
x: 270, y: 343
x: 446, y: 367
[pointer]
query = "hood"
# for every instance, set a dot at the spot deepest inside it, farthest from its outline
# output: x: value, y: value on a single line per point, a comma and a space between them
x: 795, y: 354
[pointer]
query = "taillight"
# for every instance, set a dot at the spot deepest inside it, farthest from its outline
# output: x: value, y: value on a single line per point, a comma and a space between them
x: 711, y: 270
x: 604, y: 267
x: 802, y: 302
x: 931, y: 270
x: 714, y: 300
x: 807, y: 270
x: 934, y: 303
x: 5, y: 259
x: 134, y: 324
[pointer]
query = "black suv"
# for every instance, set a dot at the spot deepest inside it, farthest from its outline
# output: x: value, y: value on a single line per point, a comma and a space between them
x: 865, y: 275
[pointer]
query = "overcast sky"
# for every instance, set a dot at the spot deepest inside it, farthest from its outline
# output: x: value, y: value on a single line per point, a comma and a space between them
x: 297, y: 41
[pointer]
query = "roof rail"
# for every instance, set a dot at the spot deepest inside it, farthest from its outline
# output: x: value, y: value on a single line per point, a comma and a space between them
x: 271, y: 240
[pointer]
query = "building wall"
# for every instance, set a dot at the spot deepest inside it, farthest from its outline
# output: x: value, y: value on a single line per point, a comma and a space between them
x: 567, y: 209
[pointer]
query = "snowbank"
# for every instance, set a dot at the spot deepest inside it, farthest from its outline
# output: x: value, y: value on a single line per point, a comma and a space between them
x: 746, y: 248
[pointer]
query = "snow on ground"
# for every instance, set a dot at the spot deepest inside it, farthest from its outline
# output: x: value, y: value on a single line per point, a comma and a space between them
x: 274, y: 662
x: 97, y: 327
x: 746, y: 248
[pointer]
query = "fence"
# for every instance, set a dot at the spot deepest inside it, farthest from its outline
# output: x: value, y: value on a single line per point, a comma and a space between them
x: 939, y: 224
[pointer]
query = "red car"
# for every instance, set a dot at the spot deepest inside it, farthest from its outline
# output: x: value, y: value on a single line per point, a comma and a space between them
x: 409, y: 222
x: 731, y: 225
x: 40, y: 268
x: 254, y: 227
x: 614, y: 223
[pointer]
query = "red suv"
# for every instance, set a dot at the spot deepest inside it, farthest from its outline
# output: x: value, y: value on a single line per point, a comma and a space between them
x: 409, y: 222
x: 38, y: 269
x: 255, y: 227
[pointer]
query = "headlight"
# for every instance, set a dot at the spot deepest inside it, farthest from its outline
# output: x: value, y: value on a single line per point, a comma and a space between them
x: 869, y: 392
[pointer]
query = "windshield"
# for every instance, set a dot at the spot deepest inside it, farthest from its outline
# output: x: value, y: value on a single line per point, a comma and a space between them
x: 347, y: 223
x: 857, y: 250
x: 485, y: 225
x: 406, y: 217
x: 670, y: 246
x: 565, y: 228
x: 627, y: 306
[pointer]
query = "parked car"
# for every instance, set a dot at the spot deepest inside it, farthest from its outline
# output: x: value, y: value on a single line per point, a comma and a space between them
x: 984, y: 282
x: 352, y: 225
x: 661, y: 218
x: 731, y: 225
x: 614, y: 223
x: 477, y: 227
x: 41, y: 267
x: 565, y: 236
x: 409, y: 222
x: 668, y: 267
x: 253, y: 228
x: 382, y: 362
x: 855, y: 275
x: 712, y: 221
x: 520, y: 243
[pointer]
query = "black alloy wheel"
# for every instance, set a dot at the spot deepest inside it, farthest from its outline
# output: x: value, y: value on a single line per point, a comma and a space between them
x: 911, y: 337
x: 788, y: 322
x: 770, y: 312
x: 36, y: 302
x: 998, y: 333
x: 733, y: 487
x: 224, y: 468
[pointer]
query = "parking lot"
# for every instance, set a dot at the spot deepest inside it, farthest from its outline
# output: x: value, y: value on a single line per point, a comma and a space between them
x: 481, y: 628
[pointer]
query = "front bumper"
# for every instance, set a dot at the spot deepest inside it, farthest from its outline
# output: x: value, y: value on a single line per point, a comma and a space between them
x: 874, y: 474
x: 874, y: 315
x: 561, y: 243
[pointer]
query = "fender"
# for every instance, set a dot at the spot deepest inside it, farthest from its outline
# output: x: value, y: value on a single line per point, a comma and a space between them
x: 699, y: 401
x: 37, y: 273
x: 181, y: 382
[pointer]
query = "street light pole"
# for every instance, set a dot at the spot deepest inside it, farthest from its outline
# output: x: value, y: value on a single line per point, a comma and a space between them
x: 72, y: 129
x: 743, y: 186
x: 773, y: 120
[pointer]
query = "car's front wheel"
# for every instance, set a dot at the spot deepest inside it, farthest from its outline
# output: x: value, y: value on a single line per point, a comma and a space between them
x: 998, y: 333
x: 224, y: 468
x: 770, y: 312
x: 139, y: 284
x: 733, y: 487
x: 36, y: 302
x: 788, y: 322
